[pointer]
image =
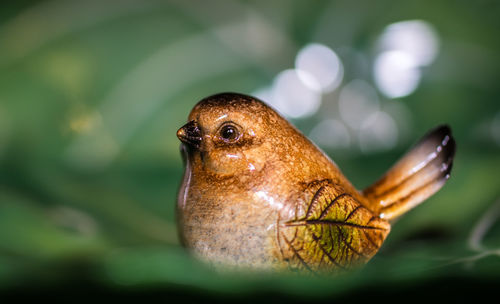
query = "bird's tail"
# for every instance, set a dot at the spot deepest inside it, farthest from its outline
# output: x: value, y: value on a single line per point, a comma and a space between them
x: 415, y: 177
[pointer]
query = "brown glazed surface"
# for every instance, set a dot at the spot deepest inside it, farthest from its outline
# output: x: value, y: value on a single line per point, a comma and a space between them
x: 257, y: 194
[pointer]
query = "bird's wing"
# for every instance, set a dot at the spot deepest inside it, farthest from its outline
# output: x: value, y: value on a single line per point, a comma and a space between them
x: 330, y: 230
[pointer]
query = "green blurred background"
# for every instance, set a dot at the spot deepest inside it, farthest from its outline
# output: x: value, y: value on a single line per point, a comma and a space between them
x: 92, y: 92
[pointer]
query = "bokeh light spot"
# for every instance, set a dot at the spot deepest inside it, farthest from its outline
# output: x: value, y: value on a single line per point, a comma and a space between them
x: 378, y: 133
x: 417, y: 38
x: 331, y: 133
x: 357, y: 101
x: 404, y: 48
x: 320, y: 62
x: 290, y: 96
x: 396, y: 74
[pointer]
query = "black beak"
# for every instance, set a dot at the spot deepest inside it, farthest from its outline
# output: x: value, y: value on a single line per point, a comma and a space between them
x: 190, y: 134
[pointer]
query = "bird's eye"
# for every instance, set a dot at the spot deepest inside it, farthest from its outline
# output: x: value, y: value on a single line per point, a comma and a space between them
x: 229, y: 133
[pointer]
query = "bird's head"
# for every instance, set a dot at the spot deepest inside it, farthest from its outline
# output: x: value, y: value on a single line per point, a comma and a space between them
x: 232, y: 133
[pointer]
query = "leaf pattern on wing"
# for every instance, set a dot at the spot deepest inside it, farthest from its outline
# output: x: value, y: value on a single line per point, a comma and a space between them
x: 331, y: 230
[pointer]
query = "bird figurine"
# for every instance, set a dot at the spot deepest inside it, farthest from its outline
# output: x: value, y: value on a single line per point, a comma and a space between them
x: 257, y: 194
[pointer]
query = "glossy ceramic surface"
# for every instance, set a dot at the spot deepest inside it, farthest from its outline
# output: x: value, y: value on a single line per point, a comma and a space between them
x: 257, y: 194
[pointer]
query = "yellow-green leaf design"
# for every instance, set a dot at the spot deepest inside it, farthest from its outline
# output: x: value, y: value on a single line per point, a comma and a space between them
x: 331, y: 230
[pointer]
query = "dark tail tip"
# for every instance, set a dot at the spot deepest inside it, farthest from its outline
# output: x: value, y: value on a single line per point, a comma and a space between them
x: 441, y: 137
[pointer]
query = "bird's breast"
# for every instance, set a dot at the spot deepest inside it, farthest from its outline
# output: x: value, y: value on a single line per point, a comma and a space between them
x: 229, y: 227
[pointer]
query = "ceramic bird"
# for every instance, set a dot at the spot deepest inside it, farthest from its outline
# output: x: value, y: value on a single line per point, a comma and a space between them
x: 257, y: 194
